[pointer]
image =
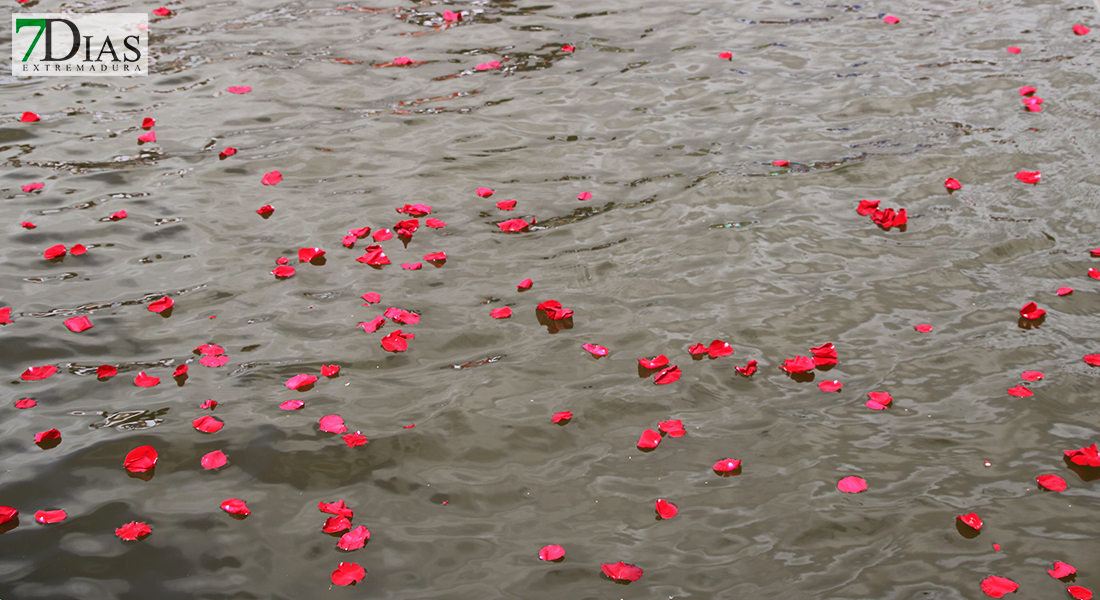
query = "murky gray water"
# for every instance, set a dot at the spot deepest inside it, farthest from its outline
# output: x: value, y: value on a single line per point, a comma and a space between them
x: 691, y: 235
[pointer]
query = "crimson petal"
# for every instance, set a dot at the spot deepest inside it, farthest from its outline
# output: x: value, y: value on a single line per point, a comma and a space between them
x: 207, y: 424
x: 667, y: 375
x: 1053, y: 483
x: 143, y: 380
x: 38, y: 373
x: 551, y: 552
x: 299, y: 381
x: 621, y: 571
x: 649, y: 439
x: 354, y: 539
x: 236, y: 507
x: 997, y: 587
x: 332, y: 424
x: 852, y: 485
x: 666, y: 509
x: 140, y: 459
x: 159, y: 306
x: 214, y: 460
x: 133, y: 530
x: 50, y: 516
x: 971, y: 519
x: 347, y: 573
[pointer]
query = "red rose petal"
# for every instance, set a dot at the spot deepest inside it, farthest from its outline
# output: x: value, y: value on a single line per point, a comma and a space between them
x: 551, y: 552
x: 1092, y: 359
x: 266, y: 209
x: 78, y: 324
x: 434, y: 223
x: 355, y: 439
x: 307, y: 254
x: 1031, y: 375
x: 300, y: 381
x: 1020, y: 391
x: 118, y: 216
x: 781, y: 163
x: 54, y: 251
x: 336, y: 508
x: 524, y: 285
x: 666, y: 509
x: 336, y: 524
x: 952, y: 184
x: 725, y: 55
x: 697, y: 349
x: 718, y: 349
x: 649, y: 439
x: 653, y: 363
x: 1031, y: 311
x: 7, y: 514
x: 26, y: 403
x: 595, y: 350
x: 997, y: 587
x: 29, y: 117
x: 143, y: 380
x: 292, y: 405
x: 923, y: 328
x: 407, y: 227
x: 333, y: 424
x: 1031, y: 177
x: 435, y: 256
x: 214, y: 460
x: 161, y: 12
x: 868, y: 207
x: 973, y: 520
x: 207, y: 424
x: 50, y: 516
x: 824, y: 354
x: 159, y: 306
x: 396, y: 341
x: 150, y: 136
x: 235, y: 506
x: 330, y: 370
x: 45, y: 436
x: 830, y: 386
x: 238, y: 89
x: 77, y: 250
x: 726, y: 465
x: 133, y: 530
x: 513, y: 225
x: 209, y: 349
x: 798, y: 364
x: 140, y: 459
x: 31, y: 187
x: 371, y: 298
x: 748, y: 369
x: 45, y: 371
x: 667, y: 375
x: 890, y: 19
x: 208, y: 405
x: 851, y: 485
x: 374, y: 324
x: 414, y: 210
x: 1013, y: 49
x: 561, y: 416
x: 1061, y: 570
x: 347, y: 573
x: 1081, y: 29
x: 584, y: 196
x: 1079, y: 592
x: 484, y: 192
x: 229, y: 151
x: 500, y: 313
x: 374, y: 255
x: 106, y: 372
x: 271, y: 178
x: 673, y: 427
x: 621, y: 571
x: 354, y: 539
x: 506, y: 205
x: 5, y: 316
x: 1053, y: 483
x: 568, y: 48
x: 1094, y: 273
x: 382, y: 235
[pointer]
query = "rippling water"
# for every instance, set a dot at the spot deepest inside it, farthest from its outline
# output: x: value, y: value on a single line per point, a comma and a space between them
x: 691, y: 234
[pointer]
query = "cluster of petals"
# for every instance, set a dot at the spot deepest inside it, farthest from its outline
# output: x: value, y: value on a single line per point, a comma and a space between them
x: 355, y: 439
x: 398, y: 315
x: 1086, y: 457
x: 407, y: 227
x: 415, y: 210
x: 824, y: 354
x: 554, y: 310
x: 716, y: 349
x: 673, y: 427
x: 1033, y: 103
x: 374, y: 256
x: 883, y: 218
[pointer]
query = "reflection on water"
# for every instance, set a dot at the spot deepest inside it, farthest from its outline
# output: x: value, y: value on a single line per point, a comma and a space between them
x: 724, y: 197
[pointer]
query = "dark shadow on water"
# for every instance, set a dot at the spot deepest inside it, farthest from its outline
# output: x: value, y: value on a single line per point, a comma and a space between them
x: 142, y: 475
x: 437, y: 263
x: 1023, y: 323
x: 180, y: 380
x: 318, y: 261
x: 48, y: 444
x: 806, y: 377
x: 1085, y: 473
x: 825, y: 368
x: 644, y: 372
x: 164, y: 314
x: 551, y: 325
x: 12, y: 524
x: 965, y: 530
